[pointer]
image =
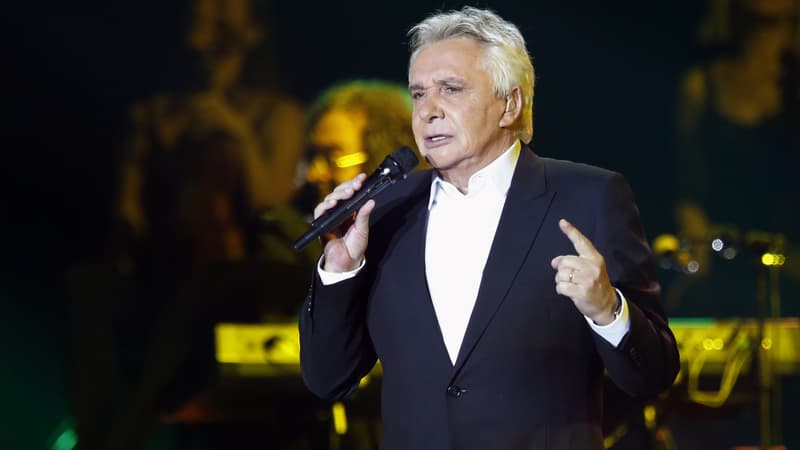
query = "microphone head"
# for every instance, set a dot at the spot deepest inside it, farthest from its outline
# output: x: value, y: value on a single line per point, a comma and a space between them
x: 405, y: 158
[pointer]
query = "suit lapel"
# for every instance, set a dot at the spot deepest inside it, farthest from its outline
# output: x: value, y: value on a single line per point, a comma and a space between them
x: 526, y: 205
x: 410, y: 252
x: 416, y: 270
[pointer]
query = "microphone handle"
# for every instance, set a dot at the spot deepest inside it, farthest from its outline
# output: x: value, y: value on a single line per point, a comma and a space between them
x: 334, y: 217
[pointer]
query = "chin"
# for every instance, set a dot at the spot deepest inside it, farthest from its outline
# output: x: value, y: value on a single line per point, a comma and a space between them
x: 431, y: 159
x: 435, y: 153
x: 440, y: 164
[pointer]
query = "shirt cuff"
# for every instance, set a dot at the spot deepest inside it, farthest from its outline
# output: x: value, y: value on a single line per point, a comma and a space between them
x: 328, y: 278
x: 616, y: 330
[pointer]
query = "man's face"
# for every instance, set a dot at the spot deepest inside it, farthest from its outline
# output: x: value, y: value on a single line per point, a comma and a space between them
x: 338, y: 141
x: 456, y: 117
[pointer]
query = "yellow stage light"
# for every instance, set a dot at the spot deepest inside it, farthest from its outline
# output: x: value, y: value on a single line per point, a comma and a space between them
x: 351, y: 159
x: 772, y: 259
x: 339, y: 418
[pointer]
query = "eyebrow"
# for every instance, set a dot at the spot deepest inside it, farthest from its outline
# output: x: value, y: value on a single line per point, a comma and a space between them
x: 439, y: 82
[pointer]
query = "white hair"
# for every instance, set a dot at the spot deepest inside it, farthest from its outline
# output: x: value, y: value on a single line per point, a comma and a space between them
x: 506, y: 60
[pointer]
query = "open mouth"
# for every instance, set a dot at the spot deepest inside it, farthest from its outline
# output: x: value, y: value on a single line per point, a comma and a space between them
x: 436, y: 140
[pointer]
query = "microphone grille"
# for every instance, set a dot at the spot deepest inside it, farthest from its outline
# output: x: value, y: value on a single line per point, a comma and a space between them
x: 405, y: 158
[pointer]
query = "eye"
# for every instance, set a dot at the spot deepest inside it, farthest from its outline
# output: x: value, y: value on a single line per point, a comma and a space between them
x: 416, y: 95
x: 451, y: 89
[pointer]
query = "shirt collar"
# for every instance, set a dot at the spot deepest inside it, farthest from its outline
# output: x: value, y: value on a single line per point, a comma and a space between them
x: 497, y: 174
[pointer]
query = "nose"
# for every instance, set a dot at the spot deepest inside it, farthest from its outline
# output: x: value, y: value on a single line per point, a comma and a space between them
x: 429, y: 109
x: 319, y: 170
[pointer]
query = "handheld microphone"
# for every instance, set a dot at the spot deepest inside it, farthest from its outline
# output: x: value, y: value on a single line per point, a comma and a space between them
x: 394, y: 168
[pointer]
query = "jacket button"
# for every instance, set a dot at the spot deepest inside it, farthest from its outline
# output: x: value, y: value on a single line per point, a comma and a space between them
x: 454, y: 391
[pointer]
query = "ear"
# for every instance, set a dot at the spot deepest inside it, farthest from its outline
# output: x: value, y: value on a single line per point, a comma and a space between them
x: 513, y: 108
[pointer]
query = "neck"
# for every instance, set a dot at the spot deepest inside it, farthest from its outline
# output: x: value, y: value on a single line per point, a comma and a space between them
x: 459, y: 176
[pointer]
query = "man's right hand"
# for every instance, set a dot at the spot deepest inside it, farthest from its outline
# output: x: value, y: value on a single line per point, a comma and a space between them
x: 345, y: 247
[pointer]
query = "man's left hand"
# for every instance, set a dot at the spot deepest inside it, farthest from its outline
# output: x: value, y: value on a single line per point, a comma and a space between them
x: 583, y: 278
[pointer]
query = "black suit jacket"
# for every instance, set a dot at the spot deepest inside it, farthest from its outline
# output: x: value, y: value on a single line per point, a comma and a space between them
x: 530, y: 370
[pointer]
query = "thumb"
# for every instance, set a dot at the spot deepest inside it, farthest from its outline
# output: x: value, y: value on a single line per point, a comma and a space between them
x: 362, y: 218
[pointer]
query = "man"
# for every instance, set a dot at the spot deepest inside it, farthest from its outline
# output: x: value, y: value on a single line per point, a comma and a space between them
x: 350, y: 126
x: 494, y: 317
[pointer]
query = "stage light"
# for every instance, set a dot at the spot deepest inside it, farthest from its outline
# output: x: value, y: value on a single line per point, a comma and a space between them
x: 772, y: 259
x: 339, y: 418
x: 352, y: 159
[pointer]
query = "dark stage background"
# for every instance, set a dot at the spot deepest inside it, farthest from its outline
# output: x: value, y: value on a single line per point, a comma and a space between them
x: 607, y: 82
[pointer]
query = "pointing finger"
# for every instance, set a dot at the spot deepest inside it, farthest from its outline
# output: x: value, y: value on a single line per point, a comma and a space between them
x: 581, y: 243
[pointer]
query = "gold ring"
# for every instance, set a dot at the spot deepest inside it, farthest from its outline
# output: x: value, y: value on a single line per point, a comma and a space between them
x: 571, y: 274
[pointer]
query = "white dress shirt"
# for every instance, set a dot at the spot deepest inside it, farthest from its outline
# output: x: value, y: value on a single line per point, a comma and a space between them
x: 461, y: 230
x: 460, y: 233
